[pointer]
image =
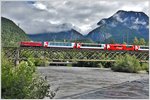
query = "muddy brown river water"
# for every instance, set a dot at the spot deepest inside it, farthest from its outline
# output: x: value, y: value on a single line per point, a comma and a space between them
x: 95, y: 83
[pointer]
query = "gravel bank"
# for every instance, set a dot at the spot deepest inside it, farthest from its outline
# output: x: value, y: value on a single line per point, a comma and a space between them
x: 75, y: 82
x: 138, y: 89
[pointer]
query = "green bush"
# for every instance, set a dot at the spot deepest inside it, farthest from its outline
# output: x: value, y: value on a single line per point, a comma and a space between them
x: 23, y: 82
x: 126, y: 63
x: 87, y: 64
x: 38, y: 62
x: 38, y: 59
x: 107, y: 64
x: 94, y: 64
x: 41, y: 62
x: 100, y: 65
x: 69, y: 65
x: 145, y: 66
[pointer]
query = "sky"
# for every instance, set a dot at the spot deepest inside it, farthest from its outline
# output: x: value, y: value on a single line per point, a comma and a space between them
x: 60, y: 15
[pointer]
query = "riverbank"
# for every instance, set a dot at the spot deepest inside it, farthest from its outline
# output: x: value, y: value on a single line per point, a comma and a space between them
x: 74, y: 82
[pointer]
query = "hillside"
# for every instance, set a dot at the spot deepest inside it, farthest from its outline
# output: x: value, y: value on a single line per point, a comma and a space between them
x: 123, y: 26
x: 68, y: 35
x: 11, y: 34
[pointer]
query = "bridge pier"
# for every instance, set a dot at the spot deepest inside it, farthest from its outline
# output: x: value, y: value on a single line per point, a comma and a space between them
x: 17, y: 62
x: 17, y: 57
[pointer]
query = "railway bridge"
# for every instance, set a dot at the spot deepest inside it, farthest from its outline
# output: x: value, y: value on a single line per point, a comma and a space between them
x: 72, y: 55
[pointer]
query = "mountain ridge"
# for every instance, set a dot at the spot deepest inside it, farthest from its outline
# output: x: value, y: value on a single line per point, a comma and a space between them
x: 59, y: 36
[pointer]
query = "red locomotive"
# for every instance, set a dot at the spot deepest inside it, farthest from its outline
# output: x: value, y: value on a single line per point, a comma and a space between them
x: 31, y: 44
x: 122, y: 47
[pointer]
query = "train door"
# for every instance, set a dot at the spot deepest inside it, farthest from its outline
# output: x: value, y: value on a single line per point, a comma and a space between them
x: 136, y: 47
x: 45, y: 44
x: 78, y: 45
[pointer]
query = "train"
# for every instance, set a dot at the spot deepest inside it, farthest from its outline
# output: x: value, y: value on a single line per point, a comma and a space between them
x: 90, y: 46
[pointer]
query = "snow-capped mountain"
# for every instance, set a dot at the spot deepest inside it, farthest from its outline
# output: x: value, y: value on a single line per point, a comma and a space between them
x: 122, y: 25
x: 133, y: 20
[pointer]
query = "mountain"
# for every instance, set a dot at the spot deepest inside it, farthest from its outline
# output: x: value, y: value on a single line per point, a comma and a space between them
x: 66, y: 35
x: 123, y: 26
x: 11, y: 33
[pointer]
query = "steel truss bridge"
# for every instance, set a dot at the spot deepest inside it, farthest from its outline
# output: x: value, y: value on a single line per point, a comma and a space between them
x: 73, y: 55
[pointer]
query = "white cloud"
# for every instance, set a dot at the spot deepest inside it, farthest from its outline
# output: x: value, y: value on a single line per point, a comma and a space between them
x: 84, y: 28
x: 54, y: 22
x: 38, y: 20
x: 40, y: 6
x: 131, y: 7
x: 44, y: 16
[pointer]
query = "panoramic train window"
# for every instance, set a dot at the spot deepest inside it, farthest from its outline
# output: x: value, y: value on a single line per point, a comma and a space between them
x: 146, y: 47
x: 129, y: 46
x: 60, y: 44
x: 92, y: 45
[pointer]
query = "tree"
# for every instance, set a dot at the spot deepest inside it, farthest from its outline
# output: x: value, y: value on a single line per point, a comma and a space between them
x: 142, y: 41
x: 147, y: 43
x: 127, y: 63
x: 23, y: 81
x: 136, y: 41
x: 112, y: 41
x: 124, y: 43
